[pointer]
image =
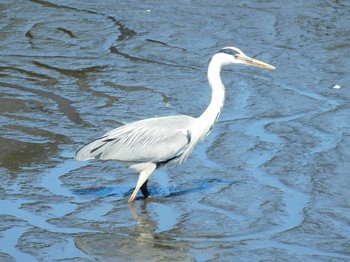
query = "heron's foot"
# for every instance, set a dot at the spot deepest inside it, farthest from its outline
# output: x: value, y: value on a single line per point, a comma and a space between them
x: 131, y: 199
x: 147, y: 197
x: 144, y: 190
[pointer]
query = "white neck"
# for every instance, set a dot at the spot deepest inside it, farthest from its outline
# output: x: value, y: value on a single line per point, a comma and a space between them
x: 211, y: 114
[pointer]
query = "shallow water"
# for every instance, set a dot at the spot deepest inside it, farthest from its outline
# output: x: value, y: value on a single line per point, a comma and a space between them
x: 270, y: 183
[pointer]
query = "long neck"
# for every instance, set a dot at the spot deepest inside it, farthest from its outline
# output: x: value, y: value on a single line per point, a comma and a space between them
x: 211, y: 114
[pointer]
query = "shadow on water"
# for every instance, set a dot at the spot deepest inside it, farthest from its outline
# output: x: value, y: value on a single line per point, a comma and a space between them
x: 194, y: 187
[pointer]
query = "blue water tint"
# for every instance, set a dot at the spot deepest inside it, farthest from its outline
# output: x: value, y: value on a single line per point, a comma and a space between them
x: 9, y: 241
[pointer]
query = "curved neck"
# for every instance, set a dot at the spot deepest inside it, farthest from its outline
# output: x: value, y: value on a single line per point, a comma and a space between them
x: 211, y: 114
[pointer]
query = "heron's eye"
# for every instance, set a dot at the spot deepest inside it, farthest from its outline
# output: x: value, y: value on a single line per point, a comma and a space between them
x: 236, y: 56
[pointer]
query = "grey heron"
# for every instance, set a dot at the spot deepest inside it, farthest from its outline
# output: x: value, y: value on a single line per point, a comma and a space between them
x: 152, y: 143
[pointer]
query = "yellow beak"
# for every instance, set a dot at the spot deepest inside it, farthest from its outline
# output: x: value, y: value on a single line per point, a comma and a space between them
x: 254, y: 62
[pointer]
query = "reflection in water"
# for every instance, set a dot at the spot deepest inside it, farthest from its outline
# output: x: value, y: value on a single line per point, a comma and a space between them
x: 140, y: 242
x: 146, y: 226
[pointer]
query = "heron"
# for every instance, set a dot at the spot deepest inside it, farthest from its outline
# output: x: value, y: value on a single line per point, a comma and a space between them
x: 153, y: 143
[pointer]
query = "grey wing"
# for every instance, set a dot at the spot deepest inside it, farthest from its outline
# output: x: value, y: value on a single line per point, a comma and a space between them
x: 153, y: 140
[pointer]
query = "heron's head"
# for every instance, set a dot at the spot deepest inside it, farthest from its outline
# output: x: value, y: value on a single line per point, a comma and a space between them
x: 233, y: 55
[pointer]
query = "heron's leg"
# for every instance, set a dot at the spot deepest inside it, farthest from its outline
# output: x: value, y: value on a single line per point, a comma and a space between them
x: 144, y: 189
x: 144, y: 175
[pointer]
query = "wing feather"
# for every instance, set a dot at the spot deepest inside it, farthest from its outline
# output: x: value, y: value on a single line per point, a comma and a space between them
x: 150, y: 140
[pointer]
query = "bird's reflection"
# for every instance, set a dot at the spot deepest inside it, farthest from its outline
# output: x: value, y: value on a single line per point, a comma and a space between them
x: 146, y: 224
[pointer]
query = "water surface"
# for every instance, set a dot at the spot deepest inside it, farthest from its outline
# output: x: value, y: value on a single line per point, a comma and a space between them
x: 270, y: 183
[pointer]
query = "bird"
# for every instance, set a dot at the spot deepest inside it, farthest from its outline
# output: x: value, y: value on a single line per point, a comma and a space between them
x: 158, y: 142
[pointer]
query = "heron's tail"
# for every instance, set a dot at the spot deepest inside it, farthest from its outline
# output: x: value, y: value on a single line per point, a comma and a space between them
x: 90, y: 151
